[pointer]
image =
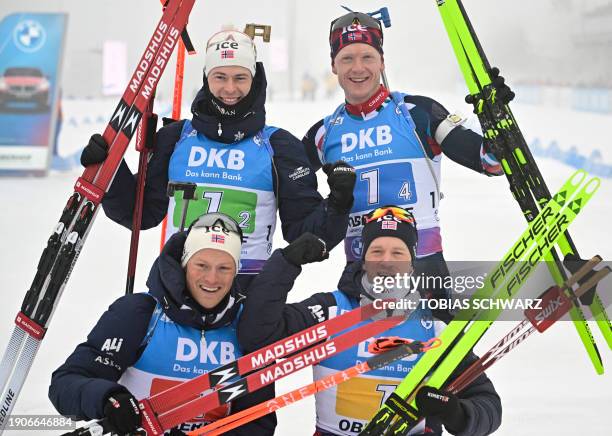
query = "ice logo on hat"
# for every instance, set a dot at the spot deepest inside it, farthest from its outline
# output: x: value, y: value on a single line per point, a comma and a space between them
x: 355, y: 27
x: 29, y: 36
x: 357, y: 247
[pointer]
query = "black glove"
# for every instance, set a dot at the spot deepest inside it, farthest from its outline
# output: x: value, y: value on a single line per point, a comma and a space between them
x: 341, y: 180
x: 442, y: 405
x: 504, y: 93
x: 122, y: 412
x: 95, y: 151
x: 307, y: 248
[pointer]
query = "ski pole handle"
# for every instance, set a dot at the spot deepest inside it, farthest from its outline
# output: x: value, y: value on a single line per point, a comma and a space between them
x: 188, y: 189
x: 383, y: 15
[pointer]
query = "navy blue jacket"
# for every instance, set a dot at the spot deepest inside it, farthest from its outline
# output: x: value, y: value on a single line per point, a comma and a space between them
x: 81, y: 385
x: 267, y: 318
x: 301, y: 207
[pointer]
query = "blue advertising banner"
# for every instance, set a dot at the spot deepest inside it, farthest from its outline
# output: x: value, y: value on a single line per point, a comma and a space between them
x: 31, y: 46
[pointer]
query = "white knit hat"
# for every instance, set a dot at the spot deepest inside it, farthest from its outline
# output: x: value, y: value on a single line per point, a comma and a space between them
x: 230, y: 47
x: 216, y: 237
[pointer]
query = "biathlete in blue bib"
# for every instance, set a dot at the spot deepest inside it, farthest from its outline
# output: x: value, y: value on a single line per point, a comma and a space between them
x: 236, y: 163
x: 147, y: 342
x: 395, y: 142
x: 389, y: 244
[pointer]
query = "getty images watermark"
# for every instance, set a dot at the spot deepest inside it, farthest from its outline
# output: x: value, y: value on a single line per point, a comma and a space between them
x: 458, y: 284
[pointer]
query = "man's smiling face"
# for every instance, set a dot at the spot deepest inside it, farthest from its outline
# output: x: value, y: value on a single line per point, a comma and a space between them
x: 358, y: 67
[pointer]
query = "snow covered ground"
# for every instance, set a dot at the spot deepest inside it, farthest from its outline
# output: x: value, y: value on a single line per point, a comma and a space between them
x: 547, y: 385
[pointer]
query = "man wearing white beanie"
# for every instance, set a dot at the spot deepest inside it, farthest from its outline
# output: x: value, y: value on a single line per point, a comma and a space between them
x: 192, y: 301
x: 241, y: 166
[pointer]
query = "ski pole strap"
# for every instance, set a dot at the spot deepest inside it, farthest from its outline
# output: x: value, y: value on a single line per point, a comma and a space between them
x: 150, y: 133
x: 187, y: 41
x: 432, y: 343
x: 380, y: 345
x: 398, y: 405
x: 184, y: 35
x: 386, y: 343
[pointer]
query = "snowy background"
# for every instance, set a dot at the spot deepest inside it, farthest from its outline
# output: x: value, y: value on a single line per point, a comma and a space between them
x: 547, y: 385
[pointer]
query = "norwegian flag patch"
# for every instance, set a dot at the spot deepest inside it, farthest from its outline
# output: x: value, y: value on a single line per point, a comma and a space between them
x: 227, y: 54
x: 389, y: 225
x: 219, y: 239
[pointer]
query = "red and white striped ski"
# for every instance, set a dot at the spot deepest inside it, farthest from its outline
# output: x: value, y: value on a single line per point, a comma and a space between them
x: 555, y: 303
x: 252, y: 413
x: 65, y: 243
x: 310, y: 346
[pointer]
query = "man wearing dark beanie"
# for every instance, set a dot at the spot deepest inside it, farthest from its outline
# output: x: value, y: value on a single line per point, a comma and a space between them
x: 389, y: 225
x: 389, y: 243
x: 394, y: 140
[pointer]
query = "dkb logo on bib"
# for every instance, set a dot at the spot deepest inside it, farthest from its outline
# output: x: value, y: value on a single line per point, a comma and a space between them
x: 351, y: 140
x: 212, y: 157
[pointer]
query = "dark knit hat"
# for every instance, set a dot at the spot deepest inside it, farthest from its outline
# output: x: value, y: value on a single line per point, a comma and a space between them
x: 390, y: 221
x: 352, y: 28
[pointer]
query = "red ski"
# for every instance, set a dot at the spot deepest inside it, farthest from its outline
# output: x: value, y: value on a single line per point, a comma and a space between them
x: 184, y: 401
x: 65, y: 243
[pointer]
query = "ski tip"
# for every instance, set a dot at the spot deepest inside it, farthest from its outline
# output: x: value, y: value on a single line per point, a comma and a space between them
x: 578, y: 177
x: 592, y: 186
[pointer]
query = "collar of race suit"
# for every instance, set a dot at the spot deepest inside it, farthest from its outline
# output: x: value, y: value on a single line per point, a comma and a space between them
x: 371, y: 104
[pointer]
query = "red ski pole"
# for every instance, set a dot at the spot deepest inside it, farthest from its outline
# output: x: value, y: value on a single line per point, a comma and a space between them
x: 145, y: 142
x: 176, y: 111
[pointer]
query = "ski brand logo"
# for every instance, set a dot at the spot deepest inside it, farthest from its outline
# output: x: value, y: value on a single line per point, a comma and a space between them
x: 289, y: 366
x: 6, y: 405
x: 364, y: 139
x: 117, y: 118
x: 289, y: 346
x: 131, y: 124
x: 231, y: 392
x: 537, y: 227
x: 154, y: 53
x: 112, y: 344
x: 214, y: 352
x: 152, y: 425
x: 29, y: 326
x: 212, y: 157
x: 223, y: 375
x: 550, y: 309
x: 317, y: 312
x: 85, y: 188
x: 542, y: 247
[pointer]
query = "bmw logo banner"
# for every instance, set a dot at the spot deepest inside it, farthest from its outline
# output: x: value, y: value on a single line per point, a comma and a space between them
x: 31, y: 46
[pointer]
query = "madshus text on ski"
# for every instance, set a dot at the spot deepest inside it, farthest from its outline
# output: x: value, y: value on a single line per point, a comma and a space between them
x: 390, y: 347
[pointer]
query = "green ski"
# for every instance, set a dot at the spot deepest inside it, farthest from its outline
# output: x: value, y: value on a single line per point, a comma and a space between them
x: 507, y: 142
x: 505, y: 279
